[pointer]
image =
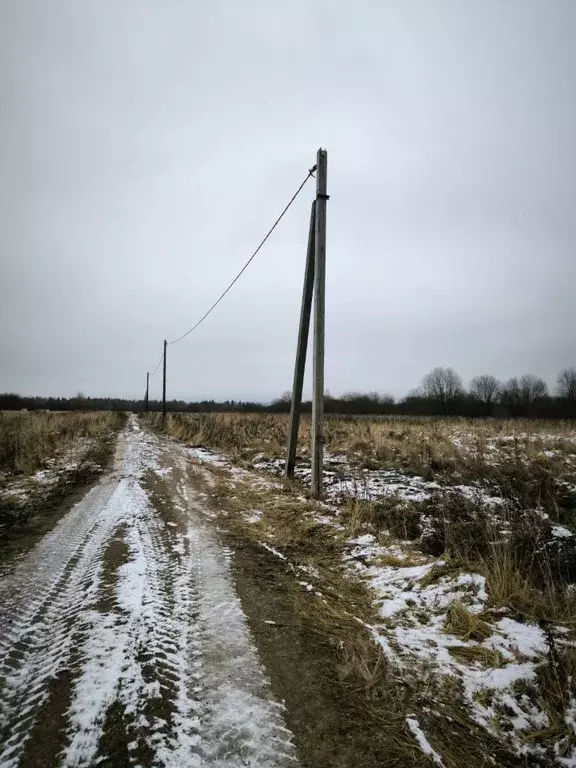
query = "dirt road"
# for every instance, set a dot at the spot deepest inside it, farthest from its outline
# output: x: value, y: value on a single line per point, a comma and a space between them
x: 122, y: 640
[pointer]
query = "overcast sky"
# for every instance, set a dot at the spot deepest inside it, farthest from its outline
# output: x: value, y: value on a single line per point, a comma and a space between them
x: 147, y: 145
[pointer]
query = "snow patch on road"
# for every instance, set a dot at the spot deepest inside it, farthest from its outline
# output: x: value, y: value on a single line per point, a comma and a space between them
x: 175, y: 632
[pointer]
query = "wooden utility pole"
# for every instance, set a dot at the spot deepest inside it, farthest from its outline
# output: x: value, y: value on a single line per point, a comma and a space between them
x: 147, y: 391
x: 317, y: 446
x: 299, y: 366
x: 164, y: 388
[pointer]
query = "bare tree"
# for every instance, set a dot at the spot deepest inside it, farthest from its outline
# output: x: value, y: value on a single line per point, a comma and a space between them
x: 443, y: 385
x: 532, y: 388
x: 511, y: 394
x: 524, y: 391
x: 486, y: 388
x: 566, y: 384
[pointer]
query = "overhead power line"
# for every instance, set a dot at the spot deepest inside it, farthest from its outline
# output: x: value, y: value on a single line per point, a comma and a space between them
x: 314, y: 288
x: 272, y: 228
x: 158, y: 366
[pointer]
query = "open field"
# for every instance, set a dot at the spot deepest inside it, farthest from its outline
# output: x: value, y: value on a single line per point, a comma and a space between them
x: 438, y: 575
x: 194, y: 608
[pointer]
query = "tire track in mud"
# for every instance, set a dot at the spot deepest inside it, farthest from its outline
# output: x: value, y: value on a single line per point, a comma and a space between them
x: 243, y: 725
x: 32, y: 587
x: 149, y: 643
x: 43, y: 601
x: 33, y: 582
x: 164, y: 670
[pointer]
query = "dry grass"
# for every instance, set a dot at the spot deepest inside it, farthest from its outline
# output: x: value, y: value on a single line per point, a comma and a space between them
x: 466, y: 625
x: 531, y: 466
x: 517, y: 459
x: 423, y: 443
x: 28, y: 439
x: 532, y: 592
x: 239, y: 435
x: 552, y: 691
x: 337, y: 615
x: 488, y: 657
x: 526, y: 568
x: 73, y: 447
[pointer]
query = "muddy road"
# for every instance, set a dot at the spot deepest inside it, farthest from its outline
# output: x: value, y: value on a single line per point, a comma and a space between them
x: 122, y: 639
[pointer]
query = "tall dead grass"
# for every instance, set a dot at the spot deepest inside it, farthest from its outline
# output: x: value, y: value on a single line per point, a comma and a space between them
x: 28, y: 439
x: 505, y: 454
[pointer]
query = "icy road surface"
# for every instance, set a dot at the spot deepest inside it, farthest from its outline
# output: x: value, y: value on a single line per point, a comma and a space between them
x: 122, y: 641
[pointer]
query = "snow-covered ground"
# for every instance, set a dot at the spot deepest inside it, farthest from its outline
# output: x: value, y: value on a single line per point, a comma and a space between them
x: 343, y: 480
x: 414, y: 635
x: 169, y: 646
x: 495, y: 671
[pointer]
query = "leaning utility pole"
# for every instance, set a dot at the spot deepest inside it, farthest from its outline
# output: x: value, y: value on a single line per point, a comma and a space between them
x: 164, y: 388
x: 317, y: 446
x: 301, y: 349
x: 147, y: 391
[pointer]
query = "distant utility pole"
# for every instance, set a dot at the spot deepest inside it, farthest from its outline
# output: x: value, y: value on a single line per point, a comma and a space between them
x: 147, y: 391
x: 317, y: 446
x: 301, y: 349
x: 164, y: 387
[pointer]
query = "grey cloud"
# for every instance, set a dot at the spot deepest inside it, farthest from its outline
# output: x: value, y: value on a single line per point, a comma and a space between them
x: 147, y: 145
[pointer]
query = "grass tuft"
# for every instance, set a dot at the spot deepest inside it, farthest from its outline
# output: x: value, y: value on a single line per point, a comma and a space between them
x: 466, y: 625
x: 472, y: 654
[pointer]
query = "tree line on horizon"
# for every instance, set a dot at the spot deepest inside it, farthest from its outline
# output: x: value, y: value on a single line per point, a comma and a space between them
x: 441, y: 392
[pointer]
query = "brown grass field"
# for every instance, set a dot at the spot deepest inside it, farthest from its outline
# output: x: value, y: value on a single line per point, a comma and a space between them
x: 443, y: 502
x: 44, y: 457
x: 435, y: 584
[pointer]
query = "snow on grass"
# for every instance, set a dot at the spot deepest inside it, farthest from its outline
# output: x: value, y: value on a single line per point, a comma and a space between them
x: 343, y: 480
x: 366, y: 547
x: 398, y: 588
x: 475, y: 493
x: 526, y: 638
x: 253, y: 515
x: 204, y: 456
x: 560, y: 532
x: 415, y: 610
x: 44, y: 476
x: 41, y: 483
x: 273, y: 551
x: 423, y: 742
x: 418, y: 631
